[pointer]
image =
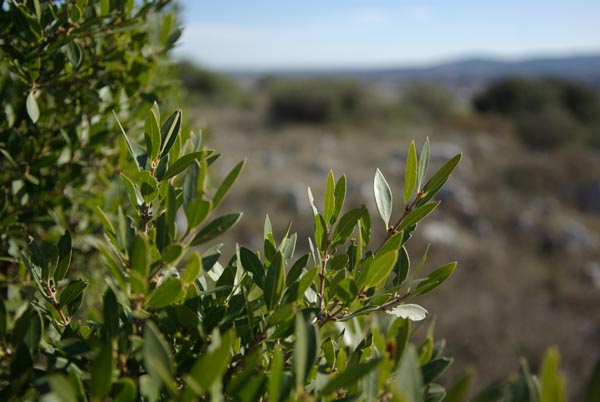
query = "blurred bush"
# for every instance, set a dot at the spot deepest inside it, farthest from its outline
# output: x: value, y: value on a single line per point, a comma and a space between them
x: 428, y: 103
x: 315, y: 101
x: 547, y: 113
x: 208, y: 85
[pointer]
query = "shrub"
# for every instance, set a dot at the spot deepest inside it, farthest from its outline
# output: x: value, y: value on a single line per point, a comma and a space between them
x: 315, y: 101
x: 66, y: 65
x: 178, y: 324
x: 548, y: 128
x: 431, y: 103
x: 547, y: 113
x: 207, y: 84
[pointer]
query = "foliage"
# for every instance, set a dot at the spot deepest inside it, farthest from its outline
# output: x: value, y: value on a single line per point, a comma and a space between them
x: 176, y: 323
x: 65, y: 67
x: 429, y: 102
x: 547, y: 113
x: 208, y: 85
x: 315, y: 101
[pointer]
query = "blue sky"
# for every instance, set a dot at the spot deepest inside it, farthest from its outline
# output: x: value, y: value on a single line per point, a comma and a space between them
x: 260, y: 34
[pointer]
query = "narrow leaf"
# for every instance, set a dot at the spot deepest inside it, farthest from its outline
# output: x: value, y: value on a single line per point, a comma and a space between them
x: 165, y: 294
x: 274, y: 281
x: 101, y: 373
x: 423, y: 163
x: 170, y: 131
x: 340, y: 196
x: 152, y: 134
x: 417, y: 214
x: 157, y: 356
x: 383, y: 197
x: 329, y: 204
x: 181, y: 164
x: 350, y: 376
x: 227, y: 183
x: 32, y: 107
x: 215, y: 228
x: 64, y: 257
x: 410, y: 175
x: 440, y: 177
x: 436, y: 278
x: 71, y: 292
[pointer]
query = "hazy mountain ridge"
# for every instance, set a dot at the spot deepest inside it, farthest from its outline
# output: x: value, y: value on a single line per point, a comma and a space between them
x: 464, y: 73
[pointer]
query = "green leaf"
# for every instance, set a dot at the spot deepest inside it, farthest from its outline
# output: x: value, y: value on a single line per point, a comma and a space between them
x: 227, y: 183
x: 276, y: 378
x: 197, y: 211
x: 193, y: 268
x: 101, y: 373
x: 340, y: 196
x: 423, y: 163
x: 380, y: 268
x: 190, y: 184
x: 71, y: 292
x: 439, y: 178
x: 592, y: 392
x: 152, y: 133
x: 435, y: 368
x: 350, y: 376
x: 329, y: 203
x: 135, y: 195
x: 165, y: 294
x: 346, y: 224
x: 215, y: 228
x: 402, y: 267
x: 251, y: 264
x: 407, y: 378
x: 182, y: 163
x: 410, y: 175
x: 305, y: 350
x: 552, y: 382
x: 126, y: 390
x: 459, y: 390
x: 170, y: 131
x: 148, y: 186
x: 32, y: 107
x: 383, y: 197
x: 64, y: 257
x: 391, y: 244
x: 137, y: 153
x: 412, y: 312
x: 274, y: 281
x: 436, y: 278
x: 311, y: 199
x: 74, y: 53
x: 139, y: 255
x: 320, y: 232
x: 157, y: 356
x: 417, y: 214
x: 210, y: 367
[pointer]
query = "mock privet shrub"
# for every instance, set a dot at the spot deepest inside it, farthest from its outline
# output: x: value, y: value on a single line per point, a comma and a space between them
x: 65, y: 66
x: 179, y: 322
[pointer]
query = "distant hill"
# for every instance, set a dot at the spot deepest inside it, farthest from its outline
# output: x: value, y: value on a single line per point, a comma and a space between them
x: 463, y: 74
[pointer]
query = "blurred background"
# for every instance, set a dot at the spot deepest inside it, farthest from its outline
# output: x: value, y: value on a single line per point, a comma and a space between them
x: 299, y: 88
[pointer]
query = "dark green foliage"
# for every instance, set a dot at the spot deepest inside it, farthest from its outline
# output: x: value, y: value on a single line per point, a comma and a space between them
x: 208, y: 85
x: 315, y: 101
x: 65, y: 67
x: 547, y: 113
